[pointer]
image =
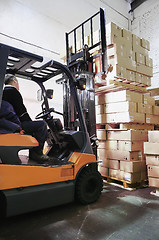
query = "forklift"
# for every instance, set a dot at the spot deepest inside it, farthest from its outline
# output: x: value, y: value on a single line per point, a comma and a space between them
x: 72, y: 171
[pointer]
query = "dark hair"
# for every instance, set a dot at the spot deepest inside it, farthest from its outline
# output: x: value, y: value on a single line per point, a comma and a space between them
x: 9, y: 78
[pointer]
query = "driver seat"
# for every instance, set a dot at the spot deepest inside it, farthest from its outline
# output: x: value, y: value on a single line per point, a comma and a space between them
x: 12, y: 143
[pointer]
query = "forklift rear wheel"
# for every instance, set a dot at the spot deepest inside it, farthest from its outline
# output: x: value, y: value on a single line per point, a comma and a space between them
x: 89, y: 186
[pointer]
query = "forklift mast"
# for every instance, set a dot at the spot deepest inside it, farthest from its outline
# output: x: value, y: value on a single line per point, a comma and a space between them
x: 85, y: 48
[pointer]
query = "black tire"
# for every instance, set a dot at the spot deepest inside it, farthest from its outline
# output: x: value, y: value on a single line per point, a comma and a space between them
x: 88, y: 186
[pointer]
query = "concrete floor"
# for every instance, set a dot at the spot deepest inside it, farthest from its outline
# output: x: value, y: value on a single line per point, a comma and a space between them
x: 119, y: 214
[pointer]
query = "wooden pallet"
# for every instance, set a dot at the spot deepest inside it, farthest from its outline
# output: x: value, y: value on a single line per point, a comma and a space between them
x: 117, y: 85
x: 125, y: 184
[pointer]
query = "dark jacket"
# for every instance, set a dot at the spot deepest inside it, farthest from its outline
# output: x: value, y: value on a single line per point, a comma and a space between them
x: 13, y: 96
x: 9, y: 121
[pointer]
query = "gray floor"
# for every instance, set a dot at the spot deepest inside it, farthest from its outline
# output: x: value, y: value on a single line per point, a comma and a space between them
x: 118, y: 215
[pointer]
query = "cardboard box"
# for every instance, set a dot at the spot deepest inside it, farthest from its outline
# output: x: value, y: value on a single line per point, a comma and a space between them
x: 144, y: 108
x: 124, y: 145
x: 140, y: 58
x: 122, y: 61
x: 136, y: 45
x: 113, y: 32
x: 135, y: 166
x: 126, y: 126
x: 148, y: 71
x: 154, y: 182
x: 153, y: 136
x: 113, y: 173
x: 101, y: 134
x: 147, y: 80
x: 152, y: 119
x: 151, y: 148
x: 114, y: 164
x: 153, y: 171
x: 148, y: 61
x: 103, y: 171
x: 152, y: 160
x: 130, y: 75
x: 129, y: 135
x: 145, y: 44
x: 149, y: 100
x: 118, y: 49
x: 130, y: 177
x: 124, y: 117
x: 117, y: 71
x: 130, y: 54
x: 123, y: 155
x: 155, y: 110
x: 120, y: 96
x: 127, y: 35
x: 120, y: 107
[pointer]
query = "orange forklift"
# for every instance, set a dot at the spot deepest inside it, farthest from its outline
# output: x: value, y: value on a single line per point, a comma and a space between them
x: 71, y: 172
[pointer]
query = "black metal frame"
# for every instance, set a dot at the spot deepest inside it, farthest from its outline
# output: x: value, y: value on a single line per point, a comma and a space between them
x: 102, y: 43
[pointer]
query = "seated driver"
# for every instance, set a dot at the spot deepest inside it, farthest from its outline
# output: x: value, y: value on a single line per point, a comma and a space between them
x: 37, y: 129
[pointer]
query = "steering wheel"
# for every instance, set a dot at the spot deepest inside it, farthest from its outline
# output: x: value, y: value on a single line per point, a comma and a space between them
x: 44, y: 114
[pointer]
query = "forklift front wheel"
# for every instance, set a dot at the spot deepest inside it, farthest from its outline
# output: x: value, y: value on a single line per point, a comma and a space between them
x: 88, y: 186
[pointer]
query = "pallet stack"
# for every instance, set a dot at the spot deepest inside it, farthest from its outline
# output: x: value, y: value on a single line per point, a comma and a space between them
x: 125, y: 112
x: 151, y: 149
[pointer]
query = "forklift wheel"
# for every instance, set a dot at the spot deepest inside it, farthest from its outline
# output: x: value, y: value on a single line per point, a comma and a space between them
x: 89, y: 186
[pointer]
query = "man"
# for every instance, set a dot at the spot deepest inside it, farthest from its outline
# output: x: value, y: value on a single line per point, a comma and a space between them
x: 37, y: 129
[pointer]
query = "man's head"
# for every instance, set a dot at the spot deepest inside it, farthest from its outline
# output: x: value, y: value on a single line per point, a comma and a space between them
x: 10, y: 79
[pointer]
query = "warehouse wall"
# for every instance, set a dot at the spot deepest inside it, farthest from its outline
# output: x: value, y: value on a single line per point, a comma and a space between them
x: 145, y: 24
x: 40, y: 28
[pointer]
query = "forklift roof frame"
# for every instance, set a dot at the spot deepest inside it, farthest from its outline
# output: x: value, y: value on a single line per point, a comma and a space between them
x: 33, y: 67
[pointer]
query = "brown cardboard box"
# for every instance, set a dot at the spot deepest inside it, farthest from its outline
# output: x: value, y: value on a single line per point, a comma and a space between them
x: 130, y: 75
x: 140, y: 58
x: 125, y: 62
x: 135, y: 166
x: 152, y: 160
x: 139, y: 77
x: 113, y: 164
x: 154, y: 182
x: 145, y: 44
x: 152, y: 119
x: 117, y: 49
x: 149, y: 100
x: 103, y: 171
x: 153, y: 171
x: 144, y: 108
x: 124, y: 117
x: 127, y: 35
x: 120, y: 107
x: 124, y: 145
x: 148, y: 61
x: 148, y: 71
x: 153, y: 136
x: 156, y: 110
x: 113, y: 28
x: 147, y: 80
x: 130, y: 177
x: 120, y: 96
x: 136, y: 126
x: 101, y: 134
x: 151, y: 148
x: 130, y: 54
x: 129, y: 135
x: 124, y: 155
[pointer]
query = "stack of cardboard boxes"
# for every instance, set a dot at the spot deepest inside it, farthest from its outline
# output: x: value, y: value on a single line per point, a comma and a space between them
x: 151, y: 149
x: 127, y: 107
x: 121, y: 150
x: 128, y: 55
x: 122, y: 154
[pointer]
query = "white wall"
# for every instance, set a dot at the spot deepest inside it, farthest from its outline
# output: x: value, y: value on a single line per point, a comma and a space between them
x: 146, y: 25
x: 40, y: 26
